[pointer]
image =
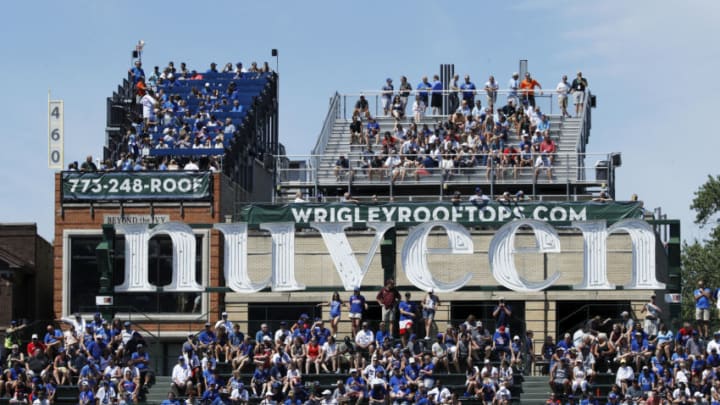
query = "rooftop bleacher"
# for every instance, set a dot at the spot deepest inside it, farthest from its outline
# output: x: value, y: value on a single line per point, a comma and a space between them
x: 196, y: 115
x: 575, y: 175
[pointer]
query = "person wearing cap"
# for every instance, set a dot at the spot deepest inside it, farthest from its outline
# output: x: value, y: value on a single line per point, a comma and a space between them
x: 327, y: 398
x: 560, y: 377
x: 703, y: 298
x: 34, y: 344
x: 652, y: 317
x: 206, y: 337
x: 388, y: 298
x: 468, y: 90
x: 502, y: 313
x: 357, y: 306
x: 386, y: 96
x: 407, y: 317
x: 181, y: 377
x: 513, y: 87
x: 479, y: 197
x: 624, y: 374
x: 224, y: 321
x: 356, y: 384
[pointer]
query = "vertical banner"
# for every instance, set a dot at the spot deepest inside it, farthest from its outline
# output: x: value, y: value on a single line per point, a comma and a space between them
x: 56, y: 133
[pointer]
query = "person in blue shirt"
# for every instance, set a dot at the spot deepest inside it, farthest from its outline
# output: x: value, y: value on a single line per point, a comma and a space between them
x: 703, y: 297
x: 422, y: 90
x: 468, y: 91
x: 53, y: 340
x: 381, y: 334
x: 335, y: 305
x: 502, y: 314
x: 407, y: 317
x: 96, y: 347
x: 86, y: 396
x: 436, y: 98
x: 501, y: 343
x: 206, y: 337
x: 357, y: 306
x: 356, y: 384
x: 427, y: 372
x: 171, y: 400
x: 141, y: 360
x: 136, y: 72
x: 259, y: 378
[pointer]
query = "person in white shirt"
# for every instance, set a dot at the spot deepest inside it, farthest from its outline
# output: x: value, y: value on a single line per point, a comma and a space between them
x: 181, y: 381
x: 624, y: 373
x: 191, y: 165
x: 298, y: 199
x: 328, y: 399
x: 491, y: 90
x: 513, y: 86
x: 563, y: 89
x: 148, y: 102
x: 363, y: 339
x: 239, y: 395
x: 105, y: 395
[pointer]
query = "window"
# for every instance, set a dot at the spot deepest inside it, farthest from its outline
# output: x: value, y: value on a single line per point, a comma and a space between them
x: 84, y: 278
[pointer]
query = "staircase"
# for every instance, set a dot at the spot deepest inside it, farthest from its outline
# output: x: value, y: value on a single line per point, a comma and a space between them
x: 535, y: 390
x: 159, y: 391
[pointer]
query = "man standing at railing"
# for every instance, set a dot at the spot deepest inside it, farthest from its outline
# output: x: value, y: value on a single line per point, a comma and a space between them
x: 527, y: 87
x: 436, y: 98
x: 579, y: 85
x: 387, y: 94
x: 422, y: 90
x: 562, y: 89
x: 405, y: 89
x: 453, y: 96
x: 513, y: 86
x: 468, y: 90
x: 491, y: 90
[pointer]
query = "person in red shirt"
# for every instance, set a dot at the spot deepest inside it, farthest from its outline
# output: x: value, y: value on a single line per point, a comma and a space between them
x: 388, y: 298
x: 527, y: 89
x: 35, y: 343
x: 548, y: 147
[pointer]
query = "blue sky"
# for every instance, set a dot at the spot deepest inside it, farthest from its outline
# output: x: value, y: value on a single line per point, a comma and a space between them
x: 652, y: 65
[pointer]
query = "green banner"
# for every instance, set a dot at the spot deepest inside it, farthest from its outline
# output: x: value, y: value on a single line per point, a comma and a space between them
x: 468, y: 213
x: 94, y: 186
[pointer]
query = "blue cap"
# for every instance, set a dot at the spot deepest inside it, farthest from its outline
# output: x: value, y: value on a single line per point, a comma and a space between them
x: 612, y: 395
x: 413, y: 336
x: 181, y: 358
x: 388, y: 79
x: 478, y: 189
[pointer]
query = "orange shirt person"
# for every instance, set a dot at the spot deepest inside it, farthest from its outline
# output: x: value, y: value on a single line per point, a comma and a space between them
x: 527, y: 89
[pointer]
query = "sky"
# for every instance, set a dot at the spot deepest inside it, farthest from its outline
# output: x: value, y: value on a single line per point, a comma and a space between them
x: 650, y: 63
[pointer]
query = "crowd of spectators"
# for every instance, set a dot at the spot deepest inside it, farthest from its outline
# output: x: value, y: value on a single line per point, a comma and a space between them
x: 647, y: 362
x: 400, y: 358
x: 502, y: 139
x: 126, y: 163
x: 206, y: 117
x: 107, y: 361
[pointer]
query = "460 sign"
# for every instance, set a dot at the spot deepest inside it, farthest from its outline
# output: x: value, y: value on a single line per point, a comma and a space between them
x: 136, y: 186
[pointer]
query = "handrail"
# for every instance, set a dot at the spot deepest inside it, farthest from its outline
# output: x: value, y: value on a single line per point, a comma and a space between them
x: 328, y: 124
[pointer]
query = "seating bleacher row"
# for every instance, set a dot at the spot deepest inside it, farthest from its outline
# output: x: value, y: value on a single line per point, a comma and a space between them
x: 196, y: 96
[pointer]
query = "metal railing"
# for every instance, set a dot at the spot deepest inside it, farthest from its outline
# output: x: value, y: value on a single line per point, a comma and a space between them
x: 486, y: 170
x: 326, y: 132
x: 546, y: 100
